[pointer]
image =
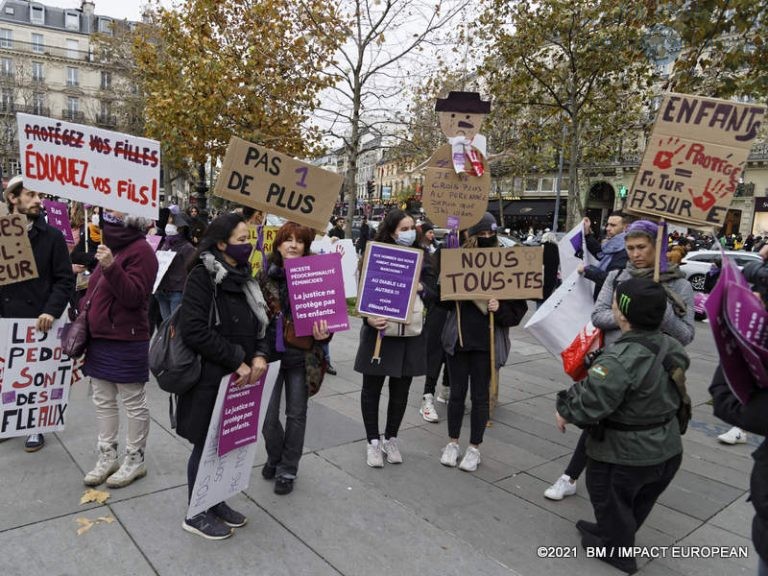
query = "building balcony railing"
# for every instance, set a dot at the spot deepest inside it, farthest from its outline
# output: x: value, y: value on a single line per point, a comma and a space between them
x: 73, y: 115
x: 73, y: 84
x: 108, y: 120
x: 8, y: 108
x: 46, y: 50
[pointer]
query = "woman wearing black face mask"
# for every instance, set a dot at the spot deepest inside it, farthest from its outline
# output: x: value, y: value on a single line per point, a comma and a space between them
x: 220, y: 285
x: 469, y: 357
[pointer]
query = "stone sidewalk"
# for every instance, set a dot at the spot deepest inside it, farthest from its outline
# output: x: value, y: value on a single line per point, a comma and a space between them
x: 346, y: 518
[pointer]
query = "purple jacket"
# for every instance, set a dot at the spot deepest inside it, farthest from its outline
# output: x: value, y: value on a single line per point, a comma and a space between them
x: 119, y: 308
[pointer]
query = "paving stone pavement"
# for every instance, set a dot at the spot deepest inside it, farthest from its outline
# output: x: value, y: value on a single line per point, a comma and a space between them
x: 344, y: 518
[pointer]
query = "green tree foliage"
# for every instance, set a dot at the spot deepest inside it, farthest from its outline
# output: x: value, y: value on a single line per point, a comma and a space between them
x: 574, y: 62
x: 210, y: 69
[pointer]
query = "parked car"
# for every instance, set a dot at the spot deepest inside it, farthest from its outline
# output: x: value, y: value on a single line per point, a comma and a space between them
x: 695, y: 265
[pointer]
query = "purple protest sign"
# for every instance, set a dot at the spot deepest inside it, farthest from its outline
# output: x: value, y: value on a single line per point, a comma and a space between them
x: 316, y: 292
x: 58, y: 218
x: 239, y: 424
x: 389, y: 281
x: 746, y: 317
x: 735, y: 368
x: 154, y: 241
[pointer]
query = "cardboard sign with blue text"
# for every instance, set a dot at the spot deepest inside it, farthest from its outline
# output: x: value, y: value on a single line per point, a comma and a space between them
x: 90, y: 165
x: 694, y: 159
x: 261, y: 178
x: 35, y: 376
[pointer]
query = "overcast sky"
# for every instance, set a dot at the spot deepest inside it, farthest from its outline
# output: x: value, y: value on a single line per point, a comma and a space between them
x: 130, y: 9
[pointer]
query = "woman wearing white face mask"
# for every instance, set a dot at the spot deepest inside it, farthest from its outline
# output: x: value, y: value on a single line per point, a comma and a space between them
x: 171, y: 288
x: 402, y: 358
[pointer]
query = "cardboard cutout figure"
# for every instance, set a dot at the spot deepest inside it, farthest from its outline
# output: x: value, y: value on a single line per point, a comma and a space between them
x: 457, y: 180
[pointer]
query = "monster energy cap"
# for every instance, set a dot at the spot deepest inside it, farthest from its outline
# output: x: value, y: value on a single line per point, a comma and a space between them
x: 642, y: 301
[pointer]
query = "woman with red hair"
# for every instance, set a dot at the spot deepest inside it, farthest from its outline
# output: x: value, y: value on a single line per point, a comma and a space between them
x: 302, y: 365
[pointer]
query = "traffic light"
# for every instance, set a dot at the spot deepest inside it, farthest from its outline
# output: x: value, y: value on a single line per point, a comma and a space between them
x: 369, y: 187
x: 622, y: 191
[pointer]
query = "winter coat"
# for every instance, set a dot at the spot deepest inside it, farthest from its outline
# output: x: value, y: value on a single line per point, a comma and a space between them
x: 222, y: 347
x: 119, y: 295
x: 749, y: 417
x: 401, y: 357
x: 50, y: 292
x: 176, y: 276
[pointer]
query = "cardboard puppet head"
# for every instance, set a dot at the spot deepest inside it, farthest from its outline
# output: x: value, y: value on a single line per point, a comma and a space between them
x: 461, y: 114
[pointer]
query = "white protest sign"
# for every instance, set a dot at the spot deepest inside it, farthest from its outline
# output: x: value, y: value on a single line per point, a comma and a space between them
x: 221, y: 477
x: 35, y: 376
x: 90, y: 165
x: 164, y: 261
x: 349, y: 260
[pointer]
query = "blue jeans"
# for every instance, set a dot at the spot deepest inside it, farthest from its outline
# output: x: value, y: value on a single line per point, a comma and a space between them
x: 284, y: 445
x: 168, y: 302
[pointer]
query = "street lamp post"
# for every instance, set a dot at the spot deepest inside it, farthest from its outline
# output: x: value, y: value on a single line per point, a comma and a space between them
x: 202, y: 188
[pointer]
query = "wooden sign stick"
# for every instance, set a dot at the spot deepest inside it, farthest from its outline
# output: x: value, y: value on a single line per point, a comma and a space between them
x: 458, y: 321
x: 494, y: 391
x: 659, y: 242
x: 376, y: 359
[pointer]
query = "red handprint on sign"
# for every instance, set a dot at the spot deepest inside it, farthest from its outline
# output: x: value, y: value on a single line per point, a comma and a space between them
x: 707, y: 199
x: 663, y: 159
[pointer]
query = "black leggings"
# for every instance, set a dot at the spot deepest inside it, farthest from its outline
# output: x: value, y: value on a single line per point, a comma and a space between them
x: 579, y: 458
x: 369, y: 404
x: 464, y: 368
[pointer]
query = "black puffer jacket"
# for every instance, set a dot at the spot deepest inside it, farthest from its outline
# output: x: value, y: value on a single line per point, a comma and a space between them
x: 51, y: 291
x: 752, y: 419
x: 222, y: 348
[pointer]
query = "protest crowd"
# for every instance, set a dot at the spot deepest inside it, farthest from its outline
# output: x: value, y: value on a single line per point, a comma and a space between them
x: 212, y: 309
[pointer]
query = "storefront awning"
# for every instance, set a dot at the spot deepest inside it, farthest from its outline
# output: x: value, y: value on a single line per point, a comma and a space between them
x: 529, y: 207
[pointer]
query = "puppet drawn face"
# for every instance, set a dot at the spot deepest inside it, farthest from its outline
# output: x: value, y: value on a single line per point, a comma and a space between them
x: 460, y: 123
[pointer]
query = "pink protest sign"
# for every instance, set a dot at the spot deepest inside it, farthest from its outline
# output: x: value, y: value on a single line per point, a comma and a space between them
x: 154, y: 241
x: 316, y: 292
x: 58, y: 218
x: 240, y: 415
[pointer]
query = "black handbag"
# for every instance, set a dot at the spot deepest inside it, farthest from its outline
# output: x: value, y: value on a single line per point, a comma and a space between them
x: 75, y: 335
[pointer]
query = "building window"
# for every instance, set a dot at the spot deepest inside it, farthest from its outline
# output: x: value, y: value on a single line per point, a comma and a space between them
x: 72, y: 21
x: 6, y: 100
x: 105, y: 26
x: 73, y: 107
x: 531, y: 184
x: 72, y: 76
x: 106, y: 80
x: 73, y: 48
x: 37, y: 43
x: 37, y: 72
x: 37, y: 14
x: 38, y: 104
x: 6, y: 38
x: 6, y: 67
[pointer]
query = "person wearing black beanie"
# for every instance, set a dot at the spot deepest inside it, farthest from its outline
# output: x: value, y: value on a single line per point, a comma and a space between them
x: 635, y: 449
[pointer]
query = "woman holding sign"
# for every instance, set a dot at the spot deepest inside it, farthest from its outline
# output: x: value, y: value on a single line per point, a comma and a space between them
x: 221, y: 286
x: 302, y: 363
x: 467, y: 344
x: 402, y: 357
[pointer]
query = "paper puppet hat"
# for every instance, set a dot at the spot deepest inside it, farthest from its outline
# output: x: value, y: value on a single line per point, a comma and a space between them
x: 467, y: 102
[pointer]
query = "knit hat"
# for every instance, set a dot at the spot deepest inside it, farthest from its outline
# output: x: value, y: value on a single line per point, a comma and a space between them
x: 488, y: 222
x: 14, y: 184
x: 646, y: 227
x: 642, y: 301
x: 426, y: 227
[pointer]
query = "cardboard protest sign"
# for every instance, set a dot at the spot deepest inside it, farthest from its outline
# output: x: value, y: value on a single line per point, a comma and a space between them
x: 263, y: 239
x: 316, y: 292
x: 484, y: 273
x: 18, y: 262
x: 349, y: 260
x: 240, y: 414
x: 221, y: 477
x: 694, y: 159
x: 164, y: 260
x: 447, y: 194
x: 90, y: 165
x: 35, y: 376
x: 59, y: 218
x: 278, y: 184
x: 389, y: 281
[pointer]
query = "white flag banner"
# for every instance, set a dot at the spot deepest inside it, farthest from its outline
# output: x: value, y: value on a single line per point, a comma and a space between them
x: 348, y: 260
x: 221, y: 477
x: 569, y: 246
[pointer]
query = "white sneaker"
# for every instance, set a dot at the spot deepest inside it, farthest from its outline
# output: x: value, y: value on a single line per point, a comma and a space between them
x: 734, y: 436
x: 392, y: 450
x: 560, y: 489
x: 375, y: 458
x: 105, y: 467
x: 131, y: 469
x: 471, y: 460
x: 450, y: 455
x: 427, y: 409
x: 444, y: 394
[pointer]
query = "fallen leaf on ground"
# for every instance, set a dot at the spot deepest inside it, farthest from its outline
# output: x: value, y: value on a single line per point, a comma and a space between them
x: 92, y: 495
x: 86, y: 524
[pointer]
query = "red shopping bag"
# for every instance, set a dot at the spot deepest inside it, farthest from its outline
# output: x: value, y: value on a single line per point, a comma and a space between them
x: 589, y: 339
